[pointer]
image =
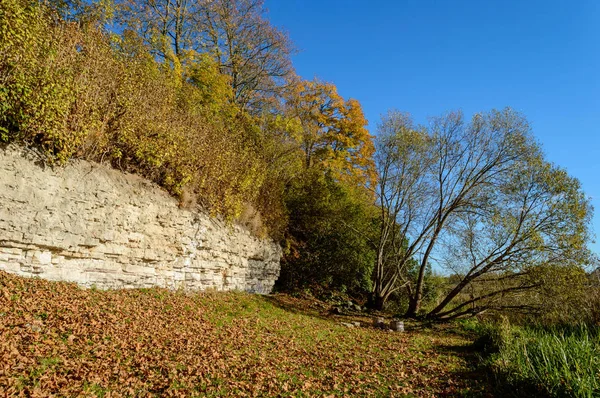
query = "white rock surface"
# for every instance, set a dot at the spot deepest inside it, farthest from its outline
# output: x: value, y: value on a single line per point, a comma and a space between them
x: 95, y: 226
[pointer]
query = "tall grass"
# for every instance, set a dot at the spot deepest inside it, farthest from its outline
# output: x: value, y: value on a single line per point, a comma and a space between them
x: 558, y: 361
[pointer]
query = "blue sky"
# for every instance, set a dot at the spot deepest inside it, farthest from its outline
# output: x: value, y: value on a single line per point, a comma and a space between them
x: 427, y: 57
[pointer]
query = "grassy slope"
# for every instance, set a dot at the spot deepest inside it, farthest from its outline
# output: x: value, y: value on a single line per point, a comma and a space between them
x: 56, y: 338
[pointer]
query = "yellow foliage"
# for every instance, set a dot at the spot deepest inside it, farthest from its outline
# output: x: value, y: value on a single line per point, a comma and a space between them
x: 333, y: 132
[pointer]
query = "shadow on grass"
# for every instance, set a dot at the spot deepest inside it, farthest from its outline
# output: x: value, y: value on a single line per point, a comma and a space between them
x: 476, y: 376
x: 477, y: 380
x: 481, y: 373
x: 296, y: 306
x: 314, y: 308
x: 503, y: 387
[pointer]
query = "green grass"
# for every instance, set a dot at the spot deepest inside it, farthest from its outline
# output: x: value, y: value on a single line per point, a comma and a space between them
x: 556, y: 361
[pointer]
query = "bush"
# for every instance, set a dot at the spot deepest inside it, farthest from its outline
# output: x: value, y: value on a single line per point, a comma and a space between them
x: 328, y: 240
x: 36, y: 92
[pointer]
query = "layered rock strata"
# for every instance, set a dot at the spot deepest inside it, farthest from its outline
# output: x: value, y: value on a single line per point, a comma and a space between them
x: 95, y: 226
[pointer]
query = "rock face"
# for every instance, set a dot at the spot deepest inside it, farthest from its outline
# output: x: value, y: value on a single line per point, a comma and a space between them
x: 95, y: 226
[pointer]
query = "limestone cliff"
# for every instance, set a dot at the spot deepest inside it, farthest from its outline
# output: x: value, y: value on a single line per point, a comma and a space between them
x: 93, y: 225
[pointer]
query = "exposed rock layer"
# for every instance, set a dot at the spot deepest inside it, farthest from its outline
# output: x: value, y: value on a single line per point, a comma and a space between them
x: 93, y: 225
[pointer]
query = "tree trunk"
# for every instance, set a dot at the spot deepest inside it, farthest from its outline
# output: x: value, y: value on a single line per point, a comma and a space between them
x: 415, y: 300
x: 449, y: 297
x: 413, y: 305
x: 376, y: 302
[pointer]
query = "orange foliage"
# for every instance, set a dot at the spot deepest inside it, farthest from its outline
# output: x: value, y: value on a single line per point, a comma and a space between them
x: 333, y: 132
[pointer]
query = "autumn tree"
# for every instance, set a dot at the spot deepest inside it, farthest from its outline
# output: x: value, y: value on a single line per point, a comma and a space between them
x: 254, y: 53
x: 333, y: 132
x: 402, y: 156
x: 248, y: 49
x: 166, y: 26
x: 330, y: 209
x: 479, y: 199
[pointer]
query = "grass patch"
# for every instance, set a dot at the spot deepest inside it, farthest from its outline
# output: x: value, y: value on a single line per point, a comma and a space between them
x: 553, y: 361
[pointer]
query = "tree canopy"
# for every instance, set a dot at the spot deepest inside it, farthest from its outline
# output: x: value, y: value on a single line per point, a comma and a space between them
x: 246, y: 46
x: 478, y: 199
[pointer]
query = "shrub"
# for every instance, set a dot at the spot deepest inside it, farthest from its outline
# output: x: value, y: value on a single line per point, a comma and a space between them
x: 330, y: 227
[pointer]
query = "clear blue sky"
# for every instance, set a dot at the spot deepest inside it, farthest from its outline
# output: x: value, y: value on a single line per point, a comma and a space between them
x: 427, y: 57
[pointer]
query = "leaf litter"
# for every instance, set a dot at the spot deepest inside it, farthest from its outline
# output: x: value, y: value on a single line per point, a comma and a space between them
x: 57, y: 339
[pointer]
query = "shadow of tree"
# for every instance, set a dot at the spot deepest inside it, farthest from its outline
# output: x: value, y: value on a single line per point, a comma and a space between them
x: 500, y: 385
x: 318, y: 309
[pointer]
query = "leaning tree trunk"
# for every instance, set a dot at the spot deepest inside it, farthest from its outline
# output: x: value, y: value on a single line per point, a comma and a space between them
x: 415, y: 300
x: 449, y: 297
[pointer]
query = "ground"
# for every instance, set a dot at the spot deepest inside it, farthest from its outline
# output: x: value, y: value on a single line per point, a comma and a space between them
x: 59, y: 339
